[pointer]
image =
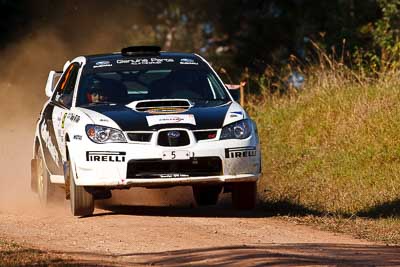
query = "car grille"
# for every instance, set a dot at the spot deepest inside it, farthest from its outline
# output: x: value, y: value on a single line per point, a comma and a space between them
x: 157, y: 168
x: 140, y: 137
x: 178, y: 138
x: 205, y: 135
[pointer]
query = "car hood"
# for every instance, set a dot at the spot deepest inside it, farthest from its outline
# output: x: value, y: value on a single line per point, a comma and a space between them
x: 128, y: 119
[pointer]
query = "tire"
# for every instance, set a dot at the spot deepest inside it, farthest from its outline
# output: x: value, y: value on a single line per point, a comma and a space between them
x: 244, y: 195
x: 44, y: 188
x: 82, y: 202
x: 34, y: 176
x: 206, y: 195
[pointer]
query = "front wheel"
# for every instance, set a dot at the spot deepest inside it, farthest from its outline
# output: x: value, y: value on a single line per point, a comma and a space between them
x: 44, y: 187
x: 207, y: 194
x: 82, y: 202
x: 244, y: 195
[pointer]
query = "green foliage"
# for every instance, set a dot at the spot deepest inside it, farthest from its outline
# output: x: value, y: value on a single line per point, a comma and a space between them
x: 382, y: 54
x: 234, y: 34
x: 331, y: 148
x: 386, y: 33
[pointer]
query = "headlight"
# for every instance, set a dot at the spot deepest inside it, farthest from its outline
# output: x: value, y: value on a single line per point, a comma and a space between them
x: 237, y: 130
x: 103, y: 134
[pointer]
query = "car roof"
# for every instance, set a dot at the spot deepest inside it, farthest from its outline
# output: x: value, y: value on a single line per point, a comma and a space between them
x: 118, y: 55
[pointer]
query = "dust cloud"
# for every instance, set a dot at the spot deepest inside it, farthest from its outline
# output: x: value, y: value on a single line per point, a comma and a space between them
x: 24, y: 67
x: 23, y: 70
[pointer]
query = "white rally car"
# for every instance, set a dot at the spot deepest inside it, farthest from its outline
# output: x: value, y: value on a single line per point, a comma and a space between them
x: 143, y: 118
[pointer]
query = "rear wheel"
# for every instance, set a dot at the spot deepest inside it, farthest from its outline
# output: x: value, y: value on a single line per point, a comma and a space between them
x: 82, y: 202
x: 45, y: 189
x: 244, y: 195
x: 206, y: 195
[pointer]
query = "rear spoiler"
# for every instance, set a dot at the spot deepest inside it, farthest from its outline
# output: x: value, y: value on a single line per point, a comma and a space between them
x: 149, y: 50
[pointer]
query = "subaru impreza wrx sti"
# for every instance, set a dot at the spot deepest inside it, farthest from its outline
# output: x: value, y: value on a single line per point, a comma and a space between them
x: 143, y: 118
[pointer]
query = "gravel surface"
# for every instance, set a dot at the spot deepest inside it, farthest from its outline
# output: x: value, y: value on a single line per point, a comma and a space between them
x: 165, y: 235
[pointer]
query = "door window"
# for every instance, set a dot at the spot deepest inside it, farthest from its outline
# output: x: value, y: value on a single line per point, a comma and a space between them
x: 65, y: 87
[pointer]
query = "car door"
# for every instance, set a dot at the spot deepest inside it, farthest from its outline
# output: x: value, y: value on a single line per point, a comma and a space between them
x: 53, y: 120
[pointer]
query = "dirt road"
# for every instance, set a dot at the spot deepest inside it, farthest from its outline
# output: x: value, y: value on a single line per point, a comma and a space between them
x: 179, y: 236
x: 145, y: 233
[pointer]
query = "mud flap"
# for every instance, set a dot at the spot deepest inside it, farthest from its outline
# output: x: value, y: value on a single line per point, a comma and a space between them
x: 34, y: 175
x: 66, y: 178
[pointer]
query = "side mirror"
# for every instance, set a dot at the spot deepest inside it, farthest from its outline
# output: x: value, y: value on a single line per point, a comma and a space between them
x: 52, y: 80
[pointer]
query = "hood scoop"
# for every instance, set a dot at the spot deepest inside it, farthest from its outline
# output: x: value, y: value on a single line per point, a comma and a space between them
x: 161, y: 106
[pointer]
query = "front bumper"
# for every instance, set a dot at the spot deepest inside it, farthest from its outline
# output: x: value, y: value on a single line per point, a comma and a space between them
x: 111, y: 170
x: 169, y: 182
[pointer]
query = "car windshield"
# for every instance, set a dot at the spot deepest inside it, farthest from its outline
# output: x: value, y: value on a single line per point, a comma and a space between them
x: 123, y: 86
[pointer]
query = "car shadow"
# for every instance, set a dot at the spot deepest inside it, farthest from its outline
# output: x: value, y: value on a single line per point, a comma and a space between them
x: 171, y: 211
x: 302, y: 254
x: 387, y: 209
x: 382, y: 210
x: 222, y: 210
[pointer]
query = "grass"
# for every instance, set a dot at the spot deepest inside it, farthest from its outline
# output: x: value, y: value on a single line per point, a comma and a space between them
x: 12, y: 254
x: 378, y: 230
x: 334, y: 149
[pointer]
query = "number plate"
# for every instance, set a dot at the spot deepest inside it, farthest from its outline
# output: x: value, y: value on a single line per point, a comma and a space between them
x: 176, y: 154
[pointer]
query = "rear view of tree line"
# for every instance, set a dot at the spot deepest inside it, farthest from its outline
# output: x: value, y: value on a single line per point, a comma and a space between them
x: 233, y: 33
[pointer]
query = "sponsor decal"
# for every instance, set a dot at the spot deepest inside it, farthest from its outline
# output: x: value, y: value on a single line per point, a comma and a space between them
x: 61, y: 135
x: 73, y: 117
x: 145, y: 61
x: 49, y: 144
x: 173, y: 134
x: 188, y: 61
x: 168, y: 119
x: 105, y: 156
x: 235, y: 114
x: 63, y: 120
x: 173, y: 175
x: 78, y: 137
x: 240, y: 152
x: 102, y: 64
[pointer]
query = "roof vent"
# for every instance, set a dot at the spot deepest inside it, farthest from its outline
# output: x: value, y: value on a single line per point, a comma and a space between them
x: 132, y: 51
